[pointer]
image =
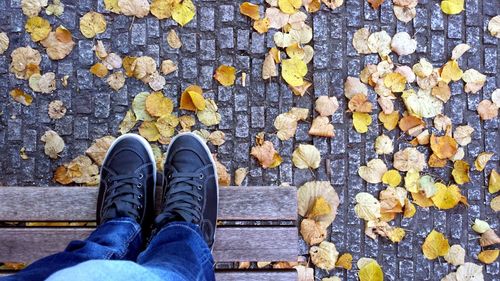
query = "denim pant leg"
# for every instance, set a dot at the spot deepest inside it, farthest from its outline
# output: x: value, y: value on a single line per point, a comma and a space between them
x: 179, y: 252
x: 116, y: 239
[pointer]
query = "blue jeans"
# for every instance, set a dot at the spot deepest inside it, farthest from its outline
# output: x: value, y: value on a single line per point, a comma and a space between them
x: 113, y: 252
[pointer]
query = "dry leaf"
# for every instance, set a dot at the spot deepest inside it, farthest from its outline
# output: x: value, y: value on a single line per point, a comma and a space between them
x: 142, y: 68
x: 456, y: 255
x: 435, y: 245
x: 494, y: 182
x: 423, y: 103
x: 58, y: 44
x: 173, y: 39
x: 312, y: 232
x: 392, y: 178
x: 250, y: 10
x: 375, y: 3
x: 383, y: 145
x: 113, y: 61
x: 487, y: 110
x: 353, y: 86
x: 402, y: 44
x: 162, y: 9
x: 39, y: 28
x: 286, y: 124
x: 482, y: 159
x: 404, y: 14
x: 361, y: 121
x: 367, y: 207
x: 56, y: 110
x: 326, y: 106
x: 97, y: 151
x: 168, y: 66
x: 452, y: 7
x: 21, y: 97
x: 79, y: 170
x: 370, y: 271
x: 373, y: 171
x: 183, y: 12
x: 324, y: 256
x: 446, y: 197
x: 269, y: 67
x: 459, y: 50
x: 209, y: 116
x: 441, y: 91
x: 156, y: 81
x: 99, y: 70
x: 192, y: 99
x: 344, y: 261
x: 451, y: 72
x: 444, y: 147
x: 277, y: 19
x: 166, y: 126
x: 149, y: 131
x: 112, y: 6
x: 380, y: 42
x: 493, y: 26
x: 240, y: 175
x: 488, y: 256
x: 474, y: 80
x: 92, y: 23
x: 302, y: 89
x: 158, y: 105
x: 495, y: 204
x: 321, y: 127
x: 223, y: 176
x: 293, y: 71
x: 54, y: 144
x: 32, y: 8
x: 306, y: 156
x: 408, y: 159
x: 489, y: 238
x: 461, y: 172
x: 225, y: 74
x: 116, y: 80
x: 4, y: 42
x: 136, y: 8
x: 323, y: 210
x: 139, y: 107
x: 128, y: 122
x: 360, y: 41
x: 386, y: 105
x: 45, y: 84
x: 390, y: 121
x: 266, y: 154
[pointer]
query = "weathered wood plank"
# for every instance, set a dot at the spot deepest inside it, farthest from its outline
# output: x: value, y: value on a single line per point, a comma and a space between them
x: 78, y: 203
x: 245, y: 275
x: 232, y: 243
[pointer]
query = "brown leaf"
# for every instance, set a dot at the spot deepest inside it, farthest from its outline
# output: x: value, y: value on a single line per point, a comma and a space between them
x: 489, y: 238
x: 266, y: 154
x: 222, y: 174
x: 97, y: 151
x: 360, y: 103
x: 375, y: 3
x: 59, y: 43
x: 312, y: 232
x: 444, y: 147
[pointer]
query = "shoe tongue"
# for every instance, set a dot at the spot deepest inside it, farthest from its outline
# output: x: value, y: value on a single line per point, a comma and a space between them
x: 125, y: 162
x: 187, y: 161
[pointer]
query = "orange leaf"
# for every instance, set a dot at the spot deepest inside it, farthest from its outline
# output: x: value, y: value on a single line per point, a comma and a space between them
x: 99, y: 70
x: 375, y: 3
x: 444, y: 147
x: 192, y: 99
x: 250, y: 10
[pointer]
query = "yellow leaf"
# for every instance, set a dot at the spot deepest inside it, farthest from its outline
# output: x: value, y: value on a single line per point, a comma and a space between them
x: 91, y: 24
x: 112, y: 5
x: 97, y: 151
x: 289, y: 6
x: 21, y: 97
x: 307, y: 196
x: 99, y: 70
x: 166, y: 127
x: 39, y: 28
x: 451, y: 71
x: 59, y: 43
x: 319, y: 208
x: 293, y: 71
x: 395, y: 81
x: 397, y: 234
x: 158, y: 105
x: 344, y: 261
x: 452, y: 7
x: 262, y: 25
x: 495, y: 203
x: 209, y: 116
x: 250, y: 10
x: 494, y: 182
x: 446, y: 197
x: 367, y: 207
x: 162, y: 9
x: 139, y: 107
x: 371, y: 272
x: 482, y: 159
x: 225, y: 74
x: 128, y: 122
x: 488, y: 256
x: 240, y: 175
x: 306, y: 156
x: 411, y: 180
x: 461, y: 172
x: 435, y: 245
x: 390, y: 121
x: 373, y: 171
x: 128, y: 62
x: 409, y: 209
x: 192, y: 99
x: 361, y: 121
x: 444, y: 147
x: 149, y: 131
x: 183, y: 11
x: 392, y: 178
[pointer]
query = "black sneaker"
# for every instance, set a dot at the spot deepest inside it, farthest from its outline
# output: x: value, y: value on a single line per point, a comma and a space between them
x: 190, y: 188
x: 128, y: 178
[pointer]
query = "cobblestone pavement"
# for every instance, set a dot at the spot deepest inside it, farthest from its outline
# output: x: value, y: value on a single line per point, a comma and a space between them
x: 220, y: 35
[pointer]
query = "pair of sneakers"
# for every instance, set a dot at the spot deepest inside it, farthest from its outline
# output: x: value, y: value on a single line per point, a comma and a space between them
x: 190, y: 188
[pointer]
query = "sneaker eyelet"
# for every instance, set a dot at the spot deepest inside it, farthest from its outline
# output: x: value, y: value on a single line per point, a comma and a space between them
x: 139, y: 185
x: 141, y: 176
x: 199, y: 198
x: 199, y: 187
x: 201, y: 176
x: 139, y: 196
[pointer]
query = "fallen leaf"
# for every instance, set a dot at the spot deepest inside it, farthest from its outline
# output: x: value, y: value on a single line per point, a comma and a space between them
x: 116, y: 80
x: 482, y: 159
x: 45, y: 84
x: 192, y: 99
x: 324, y: 256
x: 489, y: 238
x: 353, y: 86
x: 32, y: 8
x: 404, y: 14
x: 456, y: 255
x: 422, y: 103
x: 474, y: 80
x: 427, y: 186
x: 409, y: 209
x: 306, y: 156
x: 183, y: 12
x: 359, y: 103
x: 186, y: 121
x: 451, y: 72
x: 250, y: 10
x: 309, y: 206
x: 4, y: 42
x: 39, y: 28
x: 390, y: 121
x: 112, y: 61
x: 223, y: 176
x: 225, y: 75
x: 58, y: 44
x: 407, y: 72
x: 495, y: 96
x: 149, y: 131
x: 240, y: 175
x: 92, y: 23
x: 383, y: 145
x: 99, y: 70
x: 289, y: 6
x: 267, y: 156
x: 166, y: 125
x: 168, y: 66
x: 441, y: 91
x: 402, y: 44
x: 21, y: 97
x: 480, y: 226
x: 269, y: 67
x: 380, y: 42
x: 375, y: 3
x: 162, y: 9
x: 360, y: 41
x: 444, y: 147
x: 442, y: 123
x: 142, y: 68
x: 112, y: 6
x: 302, y: 89
x: 446, y: 197
x: 361, y: 121
x: 286, y: 124
x: 56, y: 110
x: 466, y: 272
x: 321, y: 127
x: 487, y: 110
x: 128, y: 122
x: 488, y: 256
x: 293, y: 71
x: 326, y: 106
x: 392, y: 178
x: 173, y: 39
x: 386, y: 105
x: 209, y: 116
x: 136, y: 8
x: 156, y: 81
x: 56, y: 8
x: 158, y: 105
x: 452, y: 7
x: 493, y: 26
x: 312, y: 232
x: 495, y: 204
x: 217, y: 138
x: 408, y: 159
x: 367, y: 207
x: 423, y: 68
x: 277, y: 19
x: 435, y: 245
x: 333, y: 4
x: 139, y: 107
x: 344, y: 261
x: 79, y: 170
x: 459, y: 50
x: 97, y: 151
x: 494, y: 182
x: 461, y: 172
x: 421, y: 200
x: 54, y: 144
x: 371, y: 272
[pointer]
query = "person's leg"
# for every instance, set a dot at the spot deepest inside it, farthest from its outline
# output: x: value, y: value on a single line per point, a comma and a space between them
x: 124, y: 208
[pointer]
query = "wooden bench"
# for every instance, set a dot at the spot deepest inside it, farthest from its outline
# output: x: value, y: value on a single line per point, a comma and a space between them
x: 235, y: 241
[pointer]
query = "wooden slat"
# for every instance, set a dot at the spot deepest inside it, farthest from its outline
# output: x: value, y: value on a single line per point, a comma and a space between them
x: 232, y: 243
x: 246, y: 275
x: 78, y: 203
